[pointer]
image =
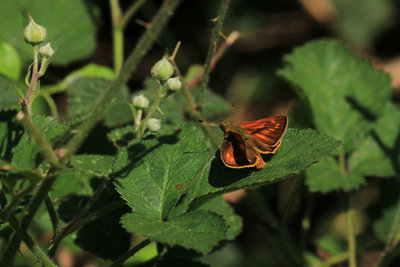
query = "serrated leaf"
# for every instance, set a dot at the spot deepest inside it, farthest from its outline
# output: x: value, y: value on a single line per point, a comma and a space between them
x: 84, y: 93
x: 156, y: 172
x: 299, y: 149
x: 8, y: 95
x: 326, y: 176
x: 342, y: 105
x: 98, y: 165
x: 379, y: 153
x: 233, y: 221
x: 199, y: 230
x: 69, y: 23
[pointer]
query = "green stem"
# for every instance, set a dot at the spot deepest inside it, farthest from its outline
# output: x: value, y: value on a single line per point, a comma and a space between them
x: 34, y: 79
x: 33, y: 206
x: 46, y: 148
x: 292, y: 197
x: 130, y: 253
x: 153, y: 108
x: 6, y: 211
x: 118, y: 35
x: 144, y: 44
x: 351, y: 237
x: 211, y: 50
x: 132, y: 9
x: 53, y: 216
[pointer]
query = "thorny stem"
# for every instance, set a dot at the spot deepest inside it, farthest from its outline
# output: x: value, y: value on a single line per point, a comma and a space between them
x: 211, y: 50
x: 47, y: 150
x: 189, y: 100
x: 144, y: 44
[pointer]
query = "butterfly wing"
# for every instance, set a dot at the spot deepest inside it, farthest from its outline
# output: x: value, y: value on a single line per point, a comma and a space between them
x: 235, y: 153
x: 266, y: 133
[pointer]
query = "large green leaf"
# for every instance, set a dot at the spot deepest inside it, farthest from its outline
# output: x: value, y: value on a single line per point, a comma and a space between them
x: 299, y: 149
x: 69, y: 23
x: 98, y: 165
x: 345, y: 93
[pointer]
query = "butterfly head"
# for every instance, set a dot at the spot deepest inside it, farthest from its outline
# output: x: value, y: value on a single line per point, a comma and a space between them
x: 225, y: 124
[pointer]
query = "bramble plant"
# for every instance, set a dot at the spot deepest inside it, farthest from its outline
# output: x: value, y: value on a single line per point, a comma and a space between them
x: 126, y: 172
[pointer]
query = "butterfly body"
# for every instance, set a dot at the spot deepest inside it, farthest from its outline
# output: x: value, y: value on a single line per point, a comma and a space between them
x: 244, y: 143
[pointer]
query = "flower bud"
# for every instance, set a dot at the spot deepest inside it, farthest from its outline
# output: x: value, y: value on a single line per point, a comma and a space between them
x: 34, y: 34
x: 154, y: 125
x: 140, y: 101
x: 162, y: 70
x: 46, y: 51
x: 174, y: 83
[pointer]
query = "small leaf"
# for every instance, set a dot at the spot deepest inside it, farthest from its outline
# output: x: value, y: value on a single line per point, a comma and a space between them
x: 326, y: 176
x: 98, y: 165
x: 10, y: 63
x: 233, y: 221
x: 379, y: 153
x: 199, y: 230
x: 342, y: 105
x: 84, y: 93
x: 71, y: 182
x: 8, y: 95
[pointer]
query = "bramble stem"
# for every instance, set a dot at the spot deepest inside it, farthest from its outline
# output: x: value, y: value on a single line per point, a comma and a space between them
x: 130, y: 253
x: 211, y: 50
x: 144, y: 44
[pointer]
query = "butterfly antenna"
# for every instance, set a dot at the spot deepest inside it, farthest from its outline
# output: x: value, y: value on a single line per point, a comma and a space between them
x: 209, y: 123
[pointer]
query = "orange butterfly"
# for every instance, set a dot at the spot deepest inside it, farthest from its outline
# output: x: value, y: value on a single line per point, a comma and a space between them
x: 244, y: 142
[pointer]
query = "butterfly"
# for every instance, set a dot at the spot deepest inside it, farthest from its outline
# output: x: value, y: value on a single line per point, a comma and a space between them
x: 244, y: 143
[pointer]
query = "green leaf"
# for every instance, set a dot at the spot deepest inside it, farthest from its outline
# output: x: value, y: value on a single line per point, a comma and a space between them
x: 199, y: 230
x: 342, y: 105
x: 299, y: 150
x: 71, y: 182
x: 221, y: 207
x: 10, y: 63
x: 69, y: 23
x: 85, y: 92
x: 326, y: 177
x: 98, y: 165
x: 26, y: 153
x: 156, y: 172
x: 379, y: 153
x: 8, y: 95
x: 359, y: 21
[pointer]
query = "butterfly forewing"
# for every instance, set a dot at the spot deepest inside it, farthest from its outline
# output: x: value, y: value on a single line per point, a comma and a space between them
x: 235, y: 154
x: 266, y: 133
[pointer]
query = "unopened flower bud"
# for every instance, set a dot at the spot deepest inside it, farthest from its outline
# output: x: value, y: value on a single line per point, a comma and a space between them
x: 162, y: 70
x: 140, y: 101
x: 154, y: 125
x: 34, y: 33
x: 174, y: 83
x: 46, y: 51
